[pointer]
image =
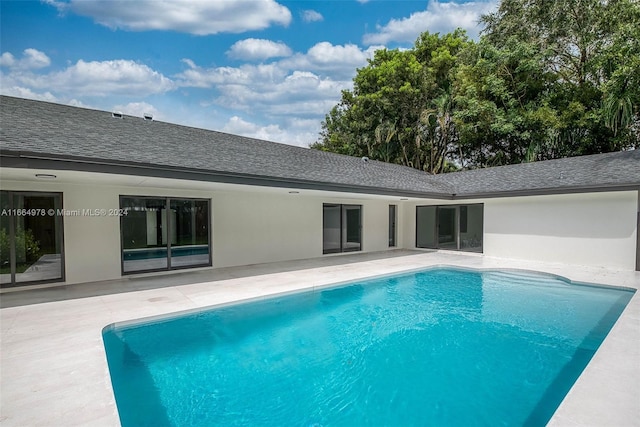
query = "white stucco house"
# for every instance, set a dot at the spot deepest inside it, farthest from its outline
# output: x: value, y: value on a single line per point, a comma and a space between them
x: 91, y: 195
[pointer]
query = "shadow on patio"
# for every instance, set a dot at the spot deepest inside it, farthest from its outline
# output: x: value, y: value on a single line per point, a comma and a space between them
x: 177, y: 278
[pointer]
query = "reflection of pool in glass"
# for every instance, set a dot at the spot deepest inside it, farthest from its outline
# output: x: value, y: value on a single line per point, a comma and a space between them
x: 176, y: 251
x: 437, y: 347
x: 156, y: 258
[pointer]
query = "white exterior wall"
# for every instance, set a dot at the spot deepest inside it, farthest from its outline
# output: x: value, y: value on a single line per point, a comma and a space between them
x: 248, y: 227
x: 596, y: 229
x: 407, y: 215
x: 92, y: 243
x: 255, y: 228
x: 258, y: 225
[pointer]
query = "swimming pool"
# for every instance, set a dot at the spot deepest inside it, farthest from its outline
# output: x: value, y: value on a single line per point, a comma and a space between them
x: 437, y: 347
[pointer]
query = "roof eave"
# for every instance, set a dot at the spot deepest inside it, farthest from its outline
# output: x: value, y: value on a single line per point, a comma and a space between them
x: 25, y: 160
x: 30, y: 160
x: 549, y: 191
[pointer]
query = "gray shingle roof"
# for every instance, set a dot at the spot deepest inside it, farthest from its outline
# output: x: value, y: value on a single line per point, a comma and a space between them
x: 36, y: 131
x: 572, y: 174
x: 58, y: 131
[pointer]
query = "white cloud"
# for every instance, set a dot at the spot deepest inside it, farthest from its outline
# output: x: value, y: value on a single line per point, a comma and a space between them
x: 189, y: 62
x: 238, y: 126
x: 7, y: 60
x: 305, y: 85
x: 198, y: 17
x: 77, y: 103
x: 101, y: 78
x: 252, y: 49
x: 338, y: 61
x: 437, y: 18
x: 296, y: 132
x: 301, y: 93
x: 31, y: 59
x: 246, y: 74
x: 324, y: 53
x: 311, y: 16
x: 274, y: 89
x: 96, y: 78
x: 23, y: 92
x: 333, y: 62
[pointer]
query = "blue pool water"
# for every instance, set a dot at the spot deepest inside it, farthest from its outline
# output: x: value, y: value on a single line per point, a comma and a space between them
x: 441, y: 347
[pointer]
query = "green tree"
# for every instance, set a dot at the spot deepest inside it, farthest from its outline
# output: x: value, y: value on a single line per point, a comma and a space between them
x: 341, y: 131
x: 502, y: 110
x: 548, y: 79
x: 390, y: 113
x: 27, y: 249
x: 588, y: 48
x: 620, y: 63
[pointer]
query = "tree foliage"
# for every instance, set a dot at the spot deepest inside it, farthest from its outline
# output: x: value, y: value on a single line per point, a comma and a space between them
x: 547, y: 79
x: 400, y: 108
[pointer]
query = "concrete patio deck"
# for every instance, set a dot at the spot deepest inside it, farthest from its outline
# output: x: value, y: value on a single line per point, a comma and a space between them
x: 53, y: 370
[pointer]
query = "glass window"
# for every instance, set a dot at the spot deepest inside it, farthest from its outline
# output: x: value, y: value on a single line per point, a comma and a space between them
x: 190, y: 228
x: 5, y: 239
x: 471, y: 235
x: 447, y: 230
x: 331, y: 229
x: 426, y: 227
x: 341, y: 228
x: 144, y: 241
x: 453, y: 227
x: 162, y: 233
x: 31, y: 247
x: 392, y: 225
x: 463, y: 218
x: 351, y: 228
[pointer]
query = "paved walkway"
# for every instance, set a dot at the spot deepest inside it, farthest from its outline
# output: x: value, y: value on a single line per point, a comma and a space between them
x: 54, y: 371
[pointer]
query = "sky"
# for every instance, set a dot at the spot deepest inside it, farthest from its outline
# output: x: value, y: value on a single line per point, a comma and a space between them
x: 260, y: 68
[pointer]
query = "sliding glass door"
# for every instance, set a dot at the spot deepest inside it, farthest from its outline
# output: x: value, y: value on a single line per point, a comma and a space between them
x: 331, y: 229
x: 144, y: 246
x: 190, y: 228
x: 426, y: 227
x: 31, y: 236
x: 351, y: 228
x: 447, y: 228
x: 164, y: 233
x: 471, y: 227
x: 453, y: 227
x: 341, y: 228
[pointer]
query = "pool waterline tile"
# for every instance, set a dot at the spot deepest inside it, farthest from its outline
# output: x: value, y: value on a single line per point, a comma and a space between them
x: 57, y: 409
